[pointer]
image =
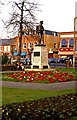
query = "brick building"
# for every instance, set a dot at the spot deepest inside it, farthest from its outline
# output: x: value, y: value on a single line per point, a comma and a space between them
x: 67, y: 44
x: 5, y: 46
x: 59, y: 45
x: 51, y: 40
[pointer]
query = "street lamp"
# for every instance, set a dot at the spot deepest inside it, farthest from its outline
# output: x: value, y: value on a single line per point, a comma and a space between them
x: 74, y: 42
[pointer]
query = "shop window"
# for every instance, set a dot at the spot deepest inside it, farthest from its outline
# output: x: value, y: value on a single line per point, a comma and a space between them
x: 63, y: 43
x: 71, y: 43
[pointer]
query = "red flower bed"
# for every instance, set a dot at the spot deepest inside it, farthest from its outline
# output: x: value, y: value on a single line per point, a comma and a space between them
x: 40, y: 76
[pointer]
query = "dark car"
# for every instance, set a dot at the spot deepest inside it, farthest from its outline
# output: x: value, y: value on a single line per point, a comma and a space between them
x: 62, y: 60
x: 51, y: 60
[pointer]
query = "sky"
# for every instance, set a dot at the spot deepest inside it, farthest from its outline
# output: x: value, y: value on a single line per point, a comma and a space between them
x: 57, y: 15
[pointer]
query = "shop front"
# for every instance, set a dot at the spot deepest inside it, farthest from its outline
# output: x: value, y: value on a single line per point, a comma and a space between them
x: 67, y: 54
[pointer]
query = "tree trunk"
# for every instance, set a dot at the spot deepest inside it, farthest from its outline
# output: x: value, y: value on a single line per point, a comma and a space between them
x: 21, y: 28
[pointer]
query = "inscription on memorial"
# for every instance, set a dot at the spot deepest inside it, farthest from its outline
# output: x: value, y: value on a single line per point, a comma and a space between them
x: 36, y: 54
x: 36, y: 60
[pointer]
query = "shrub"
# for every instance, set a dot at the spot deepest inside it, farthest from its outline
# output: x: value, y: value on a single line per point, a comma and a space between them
x: 0, y: 59
x: 8, y: 67
x: 4, y: 59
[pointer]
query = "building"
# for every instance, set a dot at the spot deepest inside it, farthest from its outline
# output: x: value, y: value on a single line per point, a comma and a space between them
x: 5, y: 48
x: 28, y: 42
x: 66, y: 48
x: 27, y: 45
x: 59, y: 44
x: 51, y: 40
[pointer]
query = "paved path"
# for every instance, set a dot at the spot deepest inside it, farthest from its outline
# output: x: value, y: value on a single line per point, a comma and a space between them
x: 52, y: 86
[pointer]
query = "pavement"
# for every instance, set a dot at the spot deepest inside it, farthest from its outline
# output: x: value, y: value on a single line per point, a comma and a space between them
x: 39, y: 86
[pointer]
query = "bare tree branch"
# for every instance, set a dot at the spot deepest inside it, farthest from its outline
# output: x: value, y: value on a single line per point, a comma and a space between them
x: 22, y: 16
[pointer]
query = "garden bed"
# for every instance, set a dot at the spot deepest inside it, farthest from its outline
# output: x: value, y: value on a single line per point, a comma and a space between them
x: 52, y: 108
x: 39, y: 76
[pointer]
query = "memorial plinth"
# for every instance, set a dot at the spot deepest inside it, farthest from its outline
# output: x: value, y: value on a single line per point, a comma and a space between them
x: 40, y: 57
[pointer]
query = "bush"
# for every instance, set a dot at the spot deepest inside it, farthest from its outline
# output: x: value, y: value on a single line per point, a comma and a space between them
x: 0, y: 59
x: 4, y: 59
x: 8, y: 67
x: 53, y: 108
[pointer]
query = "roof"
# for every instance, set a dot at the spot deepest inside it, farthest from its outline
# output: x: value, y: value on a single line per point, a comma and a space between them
x: 50, y: 32
x: 5, y: 41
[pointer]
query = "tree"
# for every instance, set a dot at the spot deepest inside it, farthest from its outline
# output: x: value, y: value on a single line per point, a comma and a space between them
x: 22, y: 17
x: 1, y: 3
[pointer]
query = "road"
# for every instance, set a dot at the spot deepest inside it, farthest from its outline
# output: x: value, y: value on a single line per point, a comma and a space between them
x: 52, y: 86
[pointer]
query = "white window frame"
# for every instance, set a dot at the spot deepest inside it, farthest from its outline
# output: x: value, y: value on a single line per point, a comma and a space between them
x: 30, y: 45
x: 6, y: 48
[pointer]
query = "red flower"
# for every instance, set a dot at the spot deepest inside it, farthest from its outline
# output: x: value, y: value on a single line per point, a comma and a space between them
x: 65, y: 74
x: 23, y: 74
x: 20, y: 78
x: 51, y: 80
x: 71, y: 77
x: 56, y: 75
x: 14, y: 76
x: 40, y: 77
x: 62, y: 79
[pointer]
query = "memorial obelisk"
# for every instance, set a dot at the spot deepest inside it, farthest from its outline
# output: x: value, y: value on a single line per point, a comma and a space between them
x: 40, y: 53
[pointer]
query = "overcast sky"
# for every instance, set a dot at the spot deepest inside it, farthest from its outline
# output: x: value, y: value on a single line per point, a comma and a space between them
x: 58, y: 15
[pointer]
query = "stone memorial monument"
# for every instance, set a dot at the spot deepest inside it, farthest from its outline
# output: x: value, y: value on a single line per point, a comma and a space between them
x: 40, y: 54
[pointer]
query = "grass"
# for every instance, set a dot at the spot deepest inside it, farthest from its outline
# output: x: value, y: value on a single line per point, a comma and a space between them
x: 16, y: 95
x: 69, y: 70
x: 73, y: 118
x: 73, y: 70
x: 0, y: 96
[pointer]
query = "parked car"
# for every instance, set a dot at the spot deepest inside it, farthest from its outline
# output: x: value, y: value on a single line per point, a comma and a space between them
x: 56, y: 60
x: 62, y: 60
x: 51, y: 60
x: 25, y: 61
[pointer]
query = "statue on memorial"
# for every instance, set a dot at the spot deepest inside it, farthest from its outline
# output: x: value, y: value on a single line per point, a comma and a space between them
x: 39, y: 31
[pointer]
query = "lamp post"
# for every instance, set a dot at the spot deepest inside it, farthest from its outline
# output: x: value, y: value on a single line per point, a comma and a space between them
x: 74, y: 42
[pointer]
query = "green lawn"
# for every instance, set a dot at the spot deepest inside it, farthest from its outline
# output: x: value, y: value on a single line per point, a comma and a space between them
x: 69, y: 70
x: 0, y: 96
x: 73, y: 70
x: 10, y: 95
